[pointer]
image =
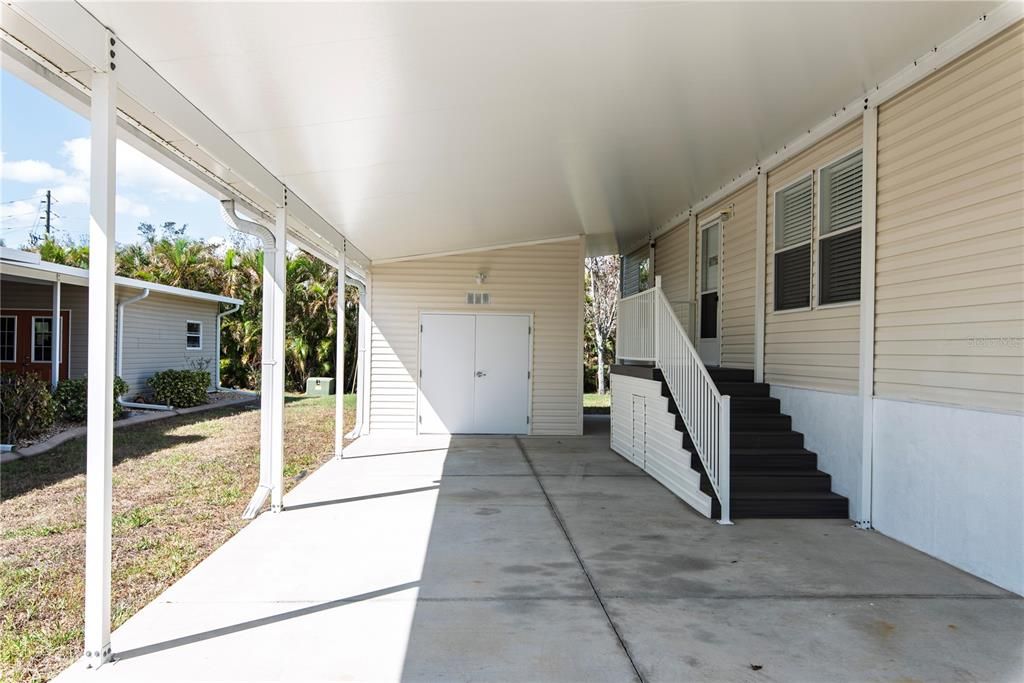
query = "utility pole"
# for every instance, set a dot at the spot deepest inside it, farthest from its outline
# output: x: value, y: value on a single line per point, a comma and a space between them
x: 48, y: 213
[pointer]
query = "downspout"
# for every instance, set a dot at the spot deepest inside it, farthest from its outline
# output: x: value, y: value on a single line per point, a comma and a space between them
x: 264, y: 233
x: 216, y: 360
x: 120, y: 353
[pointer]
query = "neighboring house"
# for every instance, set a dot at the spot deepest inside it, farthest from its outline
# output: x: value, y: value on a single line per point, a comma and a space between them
x: 158, y: 327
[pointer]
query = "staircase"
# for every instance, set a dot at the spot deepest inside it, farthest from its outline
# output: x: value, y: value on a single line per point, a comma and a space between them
x: 772, y: 474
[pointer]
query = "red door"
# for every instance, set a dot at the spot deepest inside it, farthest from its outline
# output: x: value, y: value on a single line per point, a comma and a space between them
x: 33, y: 348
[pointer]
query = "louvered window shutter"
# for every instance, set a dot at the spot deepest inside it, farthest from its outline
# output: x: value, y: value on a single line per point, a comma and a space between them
x: 794, y: 222
x: 841, y: 194
x: 839, y: 254
x: 794, y: 214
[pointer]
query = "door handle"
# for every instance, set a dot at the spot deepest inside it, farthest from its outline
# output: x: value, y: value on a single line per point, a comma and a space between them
x: 481, y: 373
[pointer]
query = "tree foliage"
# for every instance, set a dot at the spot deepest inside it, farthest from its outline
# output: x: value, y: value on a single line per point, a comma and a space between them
x: 167, y: 256
x: 602, y: 292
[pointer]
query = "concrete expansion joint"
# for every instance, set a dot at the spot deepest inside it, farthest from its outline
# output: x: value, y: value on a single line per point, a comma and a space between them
x: 579, y: 560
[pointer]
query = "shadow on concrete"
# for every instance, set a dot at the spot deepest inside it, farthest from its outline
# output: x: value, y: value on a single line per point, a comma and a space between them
x: 262, y: 621
x: 356, y: 499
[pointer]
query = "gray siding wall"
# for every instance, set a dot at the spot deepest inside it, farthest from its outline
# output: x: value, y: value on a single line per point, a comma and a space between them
x: 72, y: 298
x: 154, y: 332
x: 154, y: 336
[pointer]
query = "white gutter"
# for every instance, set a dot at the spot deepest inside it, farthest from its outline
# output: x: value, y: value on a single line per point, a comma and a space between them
x: 216, y: 360
x: 270, y: 249
x: 120, y: 353
x: 120, y: 327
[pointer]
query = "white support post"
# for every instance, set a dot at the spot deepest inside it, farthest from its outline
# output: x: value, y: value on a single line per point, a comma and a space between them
x: 100, y: 427
x: 366, y: 329
x: 760, y: 254
x: 278, y: 286
x: 57, y: 329
x: 339, y: 393
x: 725, y: 461
x: 867, y: 312
x: 691, y: 277
x: 361, y: 365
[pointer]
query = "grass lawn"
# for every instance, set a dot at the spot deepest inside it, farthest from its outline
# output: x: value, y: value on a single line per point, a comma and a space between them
x: 180, y: 486
x: 597, y: 400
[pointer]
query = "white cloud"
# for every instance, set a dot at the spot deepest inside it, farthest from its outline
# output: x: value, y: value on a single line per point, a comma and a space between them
x: 139, y: 179
x: 32, y: 172
x: 135, y: 171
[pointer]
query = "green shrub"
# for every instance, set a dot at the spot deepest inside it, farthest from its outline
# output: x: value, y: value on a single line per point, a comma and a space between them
x: 181, y: 388
x: 72, y: 397
x: 26, y: 407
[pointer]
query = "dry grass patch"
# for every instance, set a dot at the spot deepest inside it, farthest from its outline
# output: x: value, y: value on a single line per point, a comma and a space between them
x: 180, y: 486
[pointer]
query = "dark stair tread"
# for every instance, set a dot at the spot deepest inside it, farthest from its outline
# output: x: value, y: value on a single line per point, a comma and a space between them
x: 777, y: 450
x: 755, y: 404
x: 787, y: 495
x: 775, y: 472
x: 723, y: 374
x: 751, y: 389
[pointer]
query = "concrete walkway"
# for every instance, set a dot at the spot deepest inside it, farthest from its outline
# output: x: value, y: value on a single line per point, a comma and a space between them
x: 552, y: 559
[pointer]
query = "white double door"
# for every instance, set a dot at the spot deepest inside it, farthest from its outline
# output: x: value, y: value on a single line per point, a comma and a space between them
x: 474, y: 373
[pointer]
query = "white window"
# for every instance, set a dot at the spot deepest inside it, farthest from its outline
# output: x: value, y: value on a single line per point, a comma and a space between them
x: 8, y: 338
x: 794, y: 230
x: 193, y: 335
x: 42, y: 339
x: 839, y: 234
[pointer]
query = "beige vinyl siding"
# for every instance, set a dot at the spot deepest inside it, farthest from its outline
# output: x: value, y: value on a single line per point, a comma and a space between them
x: 816, y: 348
x: 154, y: 336
x: 950, y: 236
x: 672, y: 263
x: 72, y: 298
x: 545, y: 280
x: 739, y: 235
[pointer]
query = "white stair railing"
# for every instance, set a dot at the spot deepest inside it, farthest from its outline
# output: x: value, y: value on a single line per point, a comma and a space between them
x: 648, y: 330
x: 635, y: 327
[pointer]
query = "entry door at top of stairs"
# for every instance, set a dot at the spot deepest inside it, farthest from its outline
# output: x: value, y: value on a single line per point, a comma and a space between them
x: 475, y: 373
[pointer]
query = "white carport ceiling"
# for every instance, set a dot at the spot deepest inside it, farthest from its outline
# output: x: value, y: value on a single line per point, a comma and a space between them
x: 422, y: 128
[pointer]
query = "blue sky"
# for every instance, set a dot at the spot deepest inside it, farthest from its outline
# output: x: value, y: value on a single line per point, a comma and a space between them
x: 45, y: 146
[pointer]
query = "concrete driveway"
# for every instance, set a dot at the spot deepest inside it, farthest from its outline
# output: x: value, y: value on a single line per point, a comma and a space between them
x: 552, y: 559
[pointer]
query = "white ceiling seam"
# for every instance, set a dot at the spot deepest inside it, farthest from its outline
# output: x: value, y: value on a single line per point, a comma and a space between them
x: 78, y: 31
x: 986, y: 26
x: 476, y: 250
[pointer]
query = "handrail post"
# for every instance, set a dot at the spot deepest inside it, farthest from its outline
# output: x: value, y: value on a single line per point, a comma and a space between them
x: 618, y: 330
x: 724, y: 465
x: 655, y: 310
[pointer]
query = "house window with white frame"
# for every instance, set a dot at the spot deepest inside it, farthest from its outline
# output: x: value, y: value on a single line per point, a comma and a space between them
x: 193, y: 335
x: 8, y: 338
x: 42, y: 339
x: 839, y: 230
x: 794, y: 233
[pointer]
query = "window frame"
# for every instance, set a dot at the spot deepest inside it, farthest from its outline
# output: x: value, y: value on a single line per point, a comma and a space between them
x: 818, y: 237
x: 715, y: 221
x: 14, y: 347
x: 194, y: 334
x: 809, y: 241
x: 32, y: 338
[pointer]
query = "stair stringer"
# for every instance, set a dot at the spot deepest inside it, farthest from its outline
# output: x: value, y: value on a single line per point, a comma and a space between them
x: 664, y: 457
